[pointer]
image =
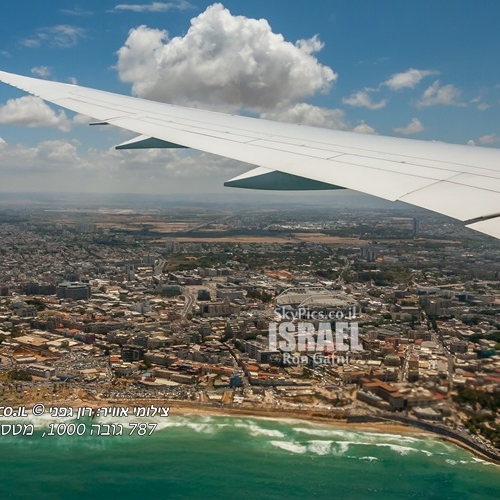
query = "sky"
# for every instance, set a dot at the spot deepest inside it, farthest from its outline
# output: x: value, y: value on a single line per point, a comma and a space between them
x: 424, y: 69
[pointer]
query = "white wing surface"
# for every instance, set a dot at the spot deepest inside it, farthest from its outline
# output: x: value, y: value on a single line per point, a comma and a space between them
x: 456, y: 180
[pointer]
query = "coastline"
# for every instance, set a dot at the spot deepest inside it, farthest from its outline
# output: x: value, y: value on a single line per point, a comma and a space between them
x: 187, y: 409
x: 379, y: 427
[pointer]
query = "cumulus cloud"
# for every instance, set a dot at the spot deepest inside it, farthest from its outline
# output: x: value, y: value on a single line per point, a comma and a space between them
x: 82, y: 119
x: 364, y: 128
x: 398, y: 81
x: 58, y: 165
x: 154, y: 7
x: 62, y: 35
x: 446, y: 95
x: 31, y: 111
x: 2, y: 142
x: 489, y: 139
x: 414, y: 127
x: 42, y: 71
x: 407, y: 79
x: 59, y: 153
x: 306, y: 114
x: 46, y: 156
x: 230, y: 62
x: 362, y: 99
x: 482, y: 106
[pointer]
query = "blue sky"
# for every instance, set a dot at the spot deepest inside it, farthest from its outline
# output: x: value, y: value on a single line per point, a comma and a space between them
x: 423, y: 69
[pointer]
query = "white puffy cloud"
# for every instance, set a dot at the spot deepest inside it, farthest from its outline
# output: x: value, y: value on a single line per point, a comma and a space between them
x: 446, y: 95
x: 362, y: 99
x: 154, y: 6
x: 489, y: 139
x: 42, y: 71
x: 80, y: 119
x: 398, y: 81
x: 65, y: 165
x: 471, y: 142
x: 364, y: 128
x: 59, y: 152
x: 306, y: 114
x: 62, y: 35
x: 47, y: 156
x: 229, y: 62
x: 31, y: 111
x: 414, y: 127
x: 407, y: 79
x: 482, y: 106
x: 2, y: 142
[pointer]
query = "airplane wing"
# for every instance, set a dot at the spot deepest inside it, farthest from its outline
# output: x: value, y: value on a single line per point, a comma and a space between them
x: 460, y: 181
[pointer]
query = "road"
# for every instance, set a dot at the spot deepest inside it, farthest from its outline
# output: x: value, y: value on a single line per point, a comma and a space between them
x: 190, y: 301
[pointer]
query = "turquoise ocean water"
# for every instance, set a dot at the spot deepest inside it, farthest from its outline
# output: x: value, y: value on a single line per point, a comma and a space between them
x: 231, y: 458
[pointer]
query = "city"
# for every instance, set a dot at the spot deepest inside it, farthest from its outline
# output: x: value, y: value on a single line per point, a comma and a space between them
x: 114, y: 305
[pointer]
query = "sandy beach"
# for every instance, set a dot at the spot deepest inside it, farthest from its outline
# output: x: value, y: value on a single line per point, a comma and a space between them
x: 188, y: 409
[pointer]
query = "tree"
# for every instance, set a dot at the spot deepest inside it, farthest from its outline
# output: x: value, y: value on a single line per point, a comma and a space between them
x: 39, y: 304
x: 20, y: 375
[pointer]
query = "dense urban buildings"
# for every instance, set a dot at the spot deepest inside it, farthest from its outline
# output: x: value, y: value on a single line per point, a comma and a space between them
x: 182, y: 304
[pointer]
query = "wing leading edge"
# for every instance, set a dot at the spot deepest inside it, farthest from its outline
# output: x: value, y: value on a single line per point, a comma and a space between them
x: 456, y: 180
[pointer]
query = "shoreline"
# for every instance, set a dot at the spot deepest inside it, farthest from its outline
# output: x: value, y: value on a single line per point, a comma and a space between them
x: 187, y: 409
x: 389, y: 427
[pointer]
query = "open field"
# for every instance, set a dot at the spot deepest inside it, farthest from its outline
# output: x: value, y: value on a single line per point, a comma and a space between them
x: 158, y: 227
x: 293, y: 238
x: 236, y: 239
x: 326, y: 238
